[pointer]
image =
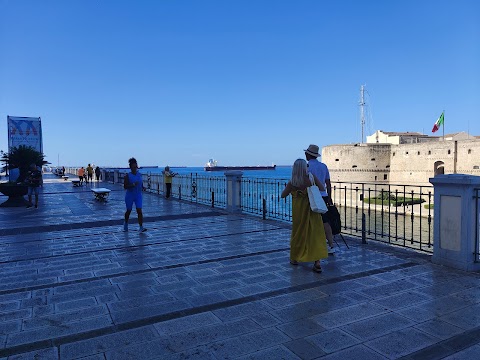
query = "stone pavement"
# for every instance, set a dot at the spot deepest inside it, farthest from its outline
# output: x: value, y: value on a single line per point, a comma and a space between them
x: 205, y: 284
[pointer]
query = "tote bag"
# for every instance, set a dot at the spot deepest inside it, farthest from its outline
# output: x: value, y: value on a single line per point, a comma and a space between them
x: 317, y: 204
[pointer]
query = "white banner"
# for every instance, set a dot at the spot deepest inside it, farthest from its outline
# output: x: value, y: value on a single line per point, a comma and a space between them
x: 24, y: 131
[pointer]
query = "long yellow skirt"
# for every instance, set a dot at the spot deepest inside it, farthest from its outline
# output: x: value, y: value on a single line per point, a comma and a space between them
x: 308, y: 241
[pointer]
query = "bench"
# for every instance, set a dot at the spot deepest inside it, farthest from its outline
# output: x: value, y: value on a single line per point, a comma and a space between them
x: 65, y: 177
x: 76, y: 183
x: 101, y: 194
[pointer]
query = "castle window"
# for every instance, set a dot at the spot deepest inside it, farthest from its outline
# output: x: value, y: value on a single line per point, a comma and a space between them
x: 406, y: 152
x: 354, y: 166
x: 388, y: 166
x: 384, y: 176
x: 418, y: 152
x: 393, y: 154
x: 373, y: 159
x: 469, y: 151
x: 337, y: 159
x: 475, y: 167
x: 375, y: 178
x: 429, y: 152
x: 448, y: 152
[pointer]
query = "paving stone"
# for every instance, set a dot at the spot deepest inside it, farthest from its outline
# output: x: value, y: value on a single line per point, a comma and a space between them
x: 249, y: 343
x: 16, y: 314
x: 12, y: 305
x: 145, y: 312
x: 401, y: 343
x: 10, y: 327
x: 348, y: 315
x: 304, y: 349
x: 471, y: 353
x: 466, y: 318
x: 192, y: 354
x: 301, y: 328
x: 75, y: 304
x: 48, y: 332
x: 358, y: 352
x: 439, y: 329
x: 42, y: 354
x: 183, y: 324
x: 377, y: 326
x: 108, y: 342
x: 275, y: 353
x: 240, y: 311
x: 65, y: 317
x: 332, y: 340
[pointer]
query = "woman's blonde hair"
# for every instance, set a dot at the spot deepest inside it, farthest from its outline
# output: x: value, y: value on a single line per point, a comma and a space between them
x: 299, y: 172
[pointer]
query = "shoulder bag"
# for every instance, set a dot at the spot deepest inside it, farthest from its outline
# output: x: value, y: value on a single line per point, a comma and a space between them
x: 317, y: 204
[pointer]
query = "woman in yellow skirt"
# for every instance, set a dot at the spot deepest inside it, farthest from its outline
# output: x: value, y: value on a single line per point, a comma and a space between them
x: 308, y: 241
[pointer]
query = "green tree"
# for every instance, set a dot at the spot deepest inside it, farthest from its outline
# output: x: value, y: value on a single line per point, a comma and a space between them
x: 21, y: 157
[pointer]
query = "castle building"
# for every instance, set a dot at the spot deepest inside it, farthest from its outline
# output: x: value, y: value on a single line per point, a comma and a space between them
x: 403, y: 158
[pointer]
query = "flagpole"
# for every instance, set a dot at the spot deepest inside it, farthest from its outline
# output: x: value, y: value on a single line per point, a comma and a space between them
x: 443, y: 125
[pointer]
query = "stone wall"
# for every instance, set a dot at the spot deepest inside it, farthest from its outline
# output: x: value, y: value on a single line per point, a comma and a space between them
x: 401, y: 164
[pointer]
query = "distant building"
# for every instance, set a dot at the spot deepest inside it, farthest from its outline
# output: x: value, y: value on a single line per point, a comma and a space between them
x: 403, y: 158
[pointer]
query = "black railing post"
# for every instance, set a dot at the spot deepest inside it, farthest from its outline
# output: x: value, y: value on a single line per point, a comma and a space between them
x: 264, y: 210
x: 364, y: 234
x: 213, y: 199
x: 179, y: 192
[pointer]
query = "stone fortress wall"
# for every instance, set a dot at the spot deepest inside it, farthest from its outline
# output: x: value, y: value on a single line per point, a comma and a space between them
x: 412, y: 163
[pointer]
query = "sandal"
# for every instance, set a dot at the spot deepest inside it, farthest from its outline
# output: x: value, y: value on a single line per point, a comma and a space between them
x: 317, y: 268
x: 293, y: 262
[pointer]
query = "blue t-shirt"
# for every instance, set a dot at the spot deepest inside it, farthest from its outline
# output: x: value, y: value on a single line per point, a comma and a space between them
x: 320, y: 170
x: 135, y: 178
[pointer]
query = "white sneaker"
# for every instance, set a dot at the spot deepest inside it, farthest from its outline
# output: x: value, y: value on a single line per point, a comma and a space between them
x: 331, y: 250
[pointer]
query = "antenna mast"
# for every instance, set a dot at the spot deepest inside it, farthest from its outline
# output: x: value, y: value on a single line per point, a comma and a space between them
x: 362, y: 110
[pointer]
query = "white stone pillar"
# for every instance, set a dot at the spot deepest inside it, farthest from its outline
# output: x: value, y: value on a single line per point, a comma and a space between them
x: 454, y: 238
x: 234, y: 190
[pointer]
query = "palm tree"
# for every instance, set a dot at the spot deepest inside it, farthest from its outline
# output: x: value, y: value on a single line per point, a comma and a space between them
x: 22, y: 157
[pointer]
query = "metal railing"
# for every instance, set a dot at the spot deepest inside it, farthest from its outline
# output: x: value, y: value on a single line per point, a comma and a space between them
x: 477, y: 226
x: 400, y: 215
x: 206, y: 190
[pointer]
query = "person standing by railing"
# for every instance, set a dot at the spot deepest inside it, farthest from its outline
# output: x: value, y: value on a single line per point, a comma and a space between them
x: 132, y: 182
x: 97, y: 173
x: 89, y: 173
x: 168, y: 180
x: 307, y: 241
x: 320, y: 170
x: 81, y: 174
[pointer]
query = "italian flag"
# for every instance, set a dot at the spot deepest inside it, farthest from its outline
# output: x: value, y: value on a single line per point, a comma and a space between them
x: 437, y: 124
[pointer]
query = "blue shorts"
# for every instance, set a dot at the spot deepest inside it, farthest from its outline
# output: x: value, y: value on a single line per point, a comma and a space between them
x: 32, y: 189
x: 131, y: 198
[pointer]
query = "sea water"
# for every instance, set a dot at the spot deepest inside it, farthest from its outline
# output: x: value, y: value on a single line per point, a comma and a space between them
x: 281, y: 172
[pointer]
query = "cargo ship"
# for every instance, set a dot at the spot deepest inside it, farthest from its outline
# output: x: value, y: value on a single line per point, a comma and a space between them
x: 211, y: 165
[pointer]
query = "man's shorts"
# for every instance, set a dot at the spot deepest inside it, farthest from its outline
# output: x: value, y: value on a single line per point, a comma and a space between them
x: 32, y: 190
x: 133, y: 198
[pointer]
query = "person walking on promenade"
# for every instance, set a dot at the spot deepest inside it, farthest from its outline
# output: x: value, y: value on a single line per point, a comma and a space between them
x: 34, y: 179
x: 97, y: 173
x: 307, y: 241
x: 81, y: 174
x: 89, y: 173
x: 168, y: 179
x: 320, y: 170
x: 132, y: 182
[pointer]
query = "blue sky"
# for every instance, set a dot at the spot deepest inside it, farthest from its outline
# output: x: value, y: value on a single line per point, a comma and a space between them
x: 245, y: 82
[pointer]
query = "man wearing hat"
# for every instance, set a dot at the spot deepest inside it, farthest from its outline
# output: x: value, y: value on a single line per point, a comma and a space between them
x: 320, y: 170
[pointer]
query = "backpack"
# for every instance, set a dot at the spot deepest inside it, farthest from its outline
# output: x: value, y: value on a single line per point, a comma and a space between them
x: 334, y: 219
